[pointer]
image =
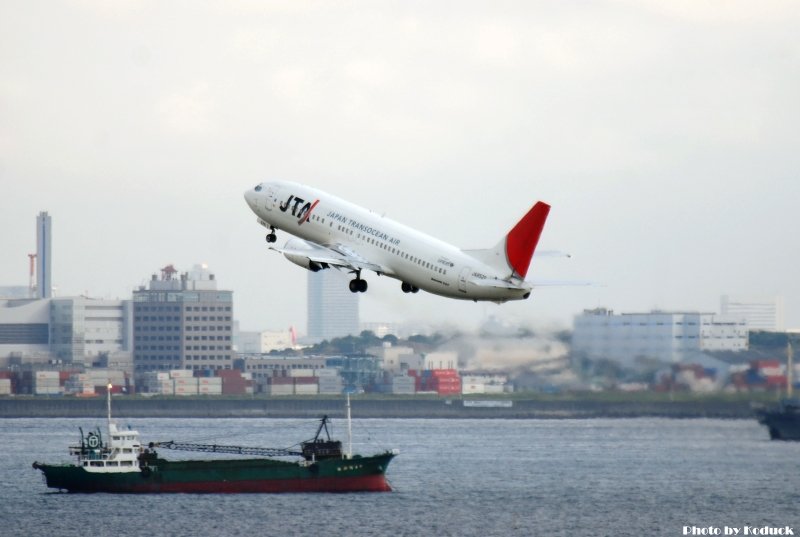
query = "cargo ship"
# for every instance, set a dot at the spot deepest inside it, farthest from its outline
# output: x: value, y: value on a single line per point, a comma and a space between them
x: 783, y: 421
x: 119, y: 463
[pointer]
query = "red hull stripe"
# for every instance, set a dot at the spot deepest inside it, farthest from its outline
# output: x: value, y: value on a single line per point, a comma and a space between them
x: 522, y: 240
x: 370, y: 483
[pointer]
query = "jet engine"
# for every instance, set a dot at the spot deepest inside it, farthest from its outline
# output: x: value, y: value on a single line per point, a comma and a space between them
x: 297, y: 246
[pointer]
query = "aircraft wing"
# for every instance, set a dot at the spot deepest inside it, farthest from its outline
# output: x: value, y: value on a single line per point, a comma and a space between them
x: 338, y: 256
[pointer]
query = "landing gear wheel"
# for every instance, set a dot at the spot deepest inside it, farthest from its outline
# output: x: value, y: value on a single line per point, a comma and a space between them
x: 358, y: 285
x: 406, y: 287
x: 271, y: 237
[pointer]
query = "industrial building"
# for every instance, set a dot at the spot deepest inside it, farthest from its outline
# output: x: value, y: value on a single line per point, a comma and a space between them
x: 760, y: 313
x: 76, y: 330
x: 632, y: 339
x: 251, y: 342
x: 182, y: 322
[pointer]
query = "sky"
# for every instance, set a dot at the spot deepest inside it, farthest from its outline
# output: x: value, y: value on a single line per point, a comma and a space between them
x: 663, y: 133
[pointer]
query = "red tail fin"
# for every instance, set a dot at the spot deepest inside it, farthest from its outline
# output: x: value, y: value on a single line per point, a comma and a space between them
x: 522, y: 240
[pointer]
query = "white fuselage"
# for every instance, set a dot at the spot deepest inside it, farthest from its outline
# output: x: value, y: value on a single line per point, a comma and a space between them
x: 402, y: 252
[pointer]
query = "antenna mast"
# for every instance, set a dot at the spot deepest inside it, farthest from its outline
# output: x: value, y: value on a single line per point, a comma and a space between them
x: 789, y: 369
x: 349, y: 431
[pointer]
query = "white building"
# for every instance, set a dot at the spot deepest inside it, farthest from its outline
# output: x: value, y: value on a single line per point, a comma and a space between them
x: 82, y: 329
x: 441, y: 360
x: 332, y: 308
x: 72, y: 330
x: 668, y: 337
x: 397, y: 359
x: 760, y: 313
x: 265, y: 341
x: 24, y: 331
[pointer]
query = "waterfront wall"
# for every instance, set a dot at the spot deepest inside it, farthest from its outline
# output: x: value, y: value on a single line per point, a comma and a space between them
x: 364, y: 408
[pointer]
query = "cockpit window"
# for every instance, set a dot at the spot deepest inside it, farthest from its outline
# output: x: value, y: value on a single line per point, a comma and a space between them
x: 258, y: 188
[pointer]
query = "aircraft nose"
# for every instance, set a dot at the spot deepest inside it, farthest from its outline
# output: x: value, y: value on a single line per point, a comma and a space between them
x: 250, y: 198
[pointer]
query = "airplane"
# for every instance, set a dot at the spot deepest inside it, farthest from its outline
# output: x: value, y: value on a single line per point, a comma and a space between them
x: 330, y: 232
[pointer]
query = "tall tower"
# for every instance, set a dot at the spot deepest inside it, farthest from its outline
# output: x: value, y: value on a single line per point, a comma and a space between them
x: 44, y: 239
x: 332, y: 308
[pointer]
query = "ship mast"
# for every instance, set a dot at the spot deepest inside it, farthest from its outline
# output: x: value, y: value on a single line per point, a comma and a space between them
x: 108, y: 402
x: 789, y: 369
x: 349, y: 431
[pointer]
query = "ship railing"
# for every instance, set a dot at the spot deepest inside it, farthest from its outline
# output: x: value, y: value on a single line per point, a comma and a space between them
x: 236, y: 450
x: 89, y: 454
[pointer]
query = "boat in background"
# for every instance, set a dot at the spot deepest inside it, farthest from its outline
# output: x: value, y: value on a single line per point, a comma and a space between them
x: 783, y: 420
x: 120, y: 463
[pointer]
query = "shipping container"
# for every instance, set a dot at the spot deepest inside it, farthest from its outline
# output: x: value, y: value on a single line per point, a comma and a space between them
x: 280, y: 389
x: 306, y: 380
x: 186, y: 381
x: 186, y: 390
x: 181, y: 373
x: 209, y: 381
x: 473, y: 387
x: 5, y: 386
x: 281, y: 380
x: 306, y: 389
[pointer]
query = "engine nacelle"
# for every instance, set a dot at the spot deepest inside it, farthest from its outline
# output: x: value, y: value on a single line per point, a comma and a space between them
x: 303, y: 260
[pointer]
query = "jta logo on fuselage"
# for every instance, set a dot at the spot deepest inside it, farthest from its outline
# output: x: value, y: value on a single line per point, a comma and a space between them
x: 300, y: 207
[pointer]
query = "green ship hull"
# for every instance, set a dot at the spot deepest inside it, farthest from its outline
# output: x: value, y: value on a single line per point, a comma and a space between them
x: 357, y: 474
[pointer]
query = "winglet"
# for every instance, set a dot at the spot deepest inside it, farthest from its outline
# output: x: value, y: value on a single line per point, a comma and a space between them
x: 521, y: 241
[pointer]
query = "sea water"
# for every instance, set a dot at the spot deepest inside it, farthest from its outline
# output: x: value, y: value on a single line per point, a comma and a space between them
x: 452, y: 478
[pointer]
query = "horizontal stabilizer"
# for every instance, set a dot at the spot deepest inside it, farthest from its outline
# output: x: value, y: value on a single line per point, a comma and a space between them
x: 494, y: 282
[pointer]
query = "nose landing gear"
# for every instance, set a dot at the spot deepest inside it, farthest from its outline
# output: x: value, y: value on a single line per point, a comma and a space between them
x: 271, y: 236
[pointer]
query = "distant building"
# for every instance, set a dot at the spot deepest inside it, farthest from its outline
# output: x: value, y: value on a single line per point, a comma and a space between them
x: 635, y: 338
x: 332, y: 308
x: 85, y: 329
x: 44, y: 261
x: 251, y: 342
x: 76, y: 330
x: 14, y: 291
x: 397, y: 359
x: 382, y: 329
x: 765, y: 313
x: 182, y: 322
x: 24, y: 331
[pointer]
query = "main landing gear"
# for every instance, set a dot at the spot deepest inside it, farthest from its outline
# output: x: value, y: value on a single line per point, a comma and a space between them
x: 358, y: 285
x: 408, y: 288
x: 271, y: 237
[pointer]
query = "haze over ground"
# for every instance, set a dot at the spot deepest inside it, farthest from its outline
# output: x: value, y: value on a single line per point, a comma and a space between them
x: 663, y: 133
